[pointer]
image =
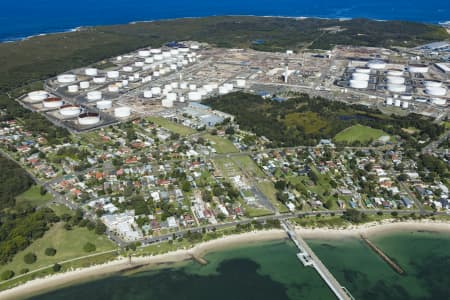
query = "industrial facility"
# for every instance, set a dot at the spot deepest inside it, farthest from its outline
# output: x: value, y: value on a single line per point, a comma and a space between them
x: 168, y: 79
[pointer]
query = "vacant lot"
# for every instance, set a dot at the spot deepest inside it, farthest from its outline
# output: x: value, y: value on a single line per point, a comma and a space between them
x: 33, y: 197
x: 221, y: 144
x: 172, y: 126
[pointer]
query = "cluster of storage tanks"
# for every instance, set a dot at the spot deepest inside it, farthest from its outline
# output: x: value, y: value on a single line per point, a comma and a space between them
x: 50, y: 102
x: 184, y: 91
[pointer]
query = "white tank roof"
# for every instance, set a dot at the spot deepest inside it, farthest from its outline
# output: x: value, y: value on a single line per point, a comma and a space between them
x: 376, y: 64
x: 70, y: 110
x: 359, y: 84
x: 91, y: 71
x: 122, y: 112
x: 66, y: 78
x: 436, y: 91
x: 104, y: 104
x: 38, y: 96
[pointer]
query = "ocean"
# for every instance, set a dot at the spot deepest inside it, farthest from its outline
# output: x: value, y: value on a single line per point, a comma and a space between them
x: 19, y: 19
x: 271, y: 271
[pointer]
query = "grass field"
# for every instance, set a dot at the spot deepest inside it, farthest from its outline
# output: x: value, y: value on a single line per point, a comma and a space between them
x: 68, y: 244
x: 33, y: 197
x: 221, y: 144
x: 359, y: 133
x: 172, y: 126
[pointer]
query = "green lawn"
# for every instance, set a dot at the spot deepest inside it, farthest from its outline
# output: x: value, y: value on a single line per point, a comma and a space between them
x: 61, y: 209
x: 172, y: 126
x: 68, y: 244
x: 256, y: 212
x: 33, y: 197
x: 221, y: 144
x: 359, y: 133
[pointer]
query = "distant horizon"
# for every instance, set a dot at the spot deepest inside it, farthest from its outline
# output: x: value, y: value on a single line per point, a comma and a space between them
x: 49, y: 16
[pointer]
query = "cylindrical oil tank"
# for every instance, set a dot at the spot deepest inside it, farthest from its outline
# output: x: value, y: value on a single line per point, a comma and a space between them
x: 167, y: 103
x: 433, y: 83
x: 436, y: 91
x: 84, y: 85
x: 396, y: 88
x: 144, y: 53
x: 91, y: 71
x: 405, y: 104
x: 88, y: 119
x: 397, y: 103
x: 70, y: 110
x: 376, y: 64
x: 360, y: 76
x: 113, y: 88
x: 148, y: 94
x: 99, y: 80
x: 66, y: 78
x: 359, y: 84
x: 418, y: 68
x: 72, y: 88
x: 104, y: 104
x: 389, y: 101
x: 395, y: 79
x: 194, y: 96
x: 122, y: 112
x: 94, y: 95
x: 156, y: 91
x: 52, y: 103
x: 113, y: 74
x: 37, y: 96
x: 439, y: 101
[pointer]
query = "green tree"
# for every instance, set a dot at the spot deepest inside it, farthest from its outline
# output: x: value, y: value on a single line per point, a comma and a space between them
x: 7, y: 274
x: 56, y: 267
x: 50, y: 251
x: 89, y: 247
x: 30, y: 258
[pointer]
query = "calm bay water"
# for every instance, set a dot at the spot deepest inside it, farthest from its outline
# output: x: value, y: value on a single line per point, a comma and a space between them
x: 272, y: 271
x: 19, y: 19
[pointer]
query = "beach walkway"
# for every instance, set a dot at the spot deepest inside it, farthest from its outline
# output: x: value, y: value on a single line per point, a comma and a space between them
x: 308, y: 258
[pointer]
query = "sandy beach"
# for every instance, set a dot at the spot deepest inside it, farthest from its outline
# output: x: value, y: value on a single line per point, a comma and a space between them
x: 52, y: 282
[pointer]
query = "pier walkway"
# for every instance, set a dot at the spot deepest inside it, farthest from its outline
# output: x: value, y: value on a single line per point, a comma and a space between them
x: 308, y: 258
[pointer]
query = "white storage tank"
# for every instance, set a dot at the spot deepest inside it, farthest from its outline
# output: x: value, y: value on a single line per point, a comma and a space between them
x: 376, y: 64
x: 99, y: 80
x: 91, y: 71
x: 174, y: 85
x: 144, y: 53
x: 397, y: 103
x: 439, y: 101
x: 155, y: 51
x: 104, y: 104
x: 156, y: 91
x: 405, y: 104
x: 149, y: 60
x: 88, y: 119
x: 362, y: 70
x: 360, y: 76
x: 418, y: 68
x: 240, y: 83
x: 436, y: 91
x: 37, y: 96
x: 139, y: 64
x: 167, y: 103
x: 127, y: 69
x: 148, y: 94
x: 421, y: 100
x: 395, y: 72
x: 183, y: 85
x: 66, y: 78
x: 72, y: 88
x: 406, y: 97
x: 223, y: 90
x: 359, y: 84
x: 53, y: 103
x: 395, y: 79
x: 70, y: 110
x: 113, y: 88
x: 389, y: 101
x: 194, y: 96
x: 433, y: 83
x: 84, y: 85
x: 192, y: 87
x: 158, y: 57
x: 124, y: 82
x: 94, y: 95
x: 112, y: 74
x: 171, y: 96
x: 181, y: 99
x: 396, y: 88
x: 122, y: 112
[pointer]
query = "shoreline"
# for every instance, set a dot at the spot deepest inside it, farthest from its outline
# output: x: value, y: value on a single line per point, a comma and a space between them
x: 81, y: 27
x: 122, y: 265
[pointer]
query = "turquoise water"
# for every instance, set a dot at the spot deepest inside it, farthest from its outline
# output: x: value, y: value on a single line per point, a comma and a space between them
x: 19, y: 19
x: 272, y: 271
